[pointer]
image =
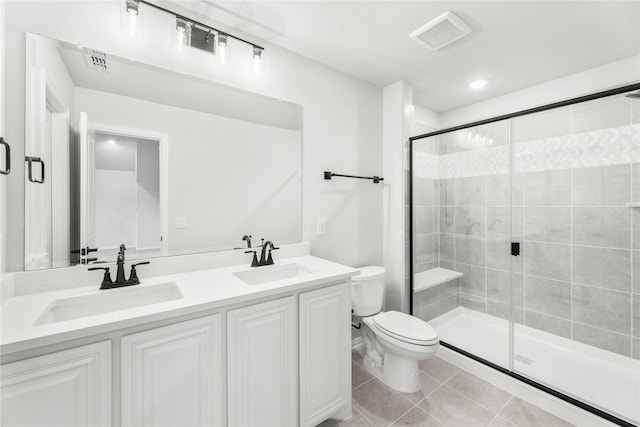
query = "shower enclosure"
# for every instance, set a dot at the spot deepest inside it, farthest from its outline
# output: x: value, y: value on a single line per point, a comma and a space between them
x: 525, y: 242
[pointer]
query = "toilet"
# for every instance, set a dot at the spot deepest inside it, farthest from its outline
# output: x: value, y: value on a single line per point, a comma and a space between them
x: 395, y: 342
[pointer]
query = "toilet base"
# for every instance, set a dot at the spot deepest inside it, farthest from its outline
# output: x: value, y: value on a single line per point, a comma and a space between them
x: 373, y: 365
x: 398, y: 373
x: 394, y: 363
x: 401, y: 374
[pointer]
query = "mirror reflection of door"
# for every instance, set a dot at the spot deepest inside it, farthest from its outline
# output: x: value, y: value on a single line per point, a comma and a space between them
x: 46, y: 195
x: 123, y: 199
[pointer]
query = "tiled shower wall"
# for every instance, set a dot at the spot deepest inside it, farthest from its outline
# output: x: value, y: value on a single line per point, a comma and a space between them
x: 574, y: 170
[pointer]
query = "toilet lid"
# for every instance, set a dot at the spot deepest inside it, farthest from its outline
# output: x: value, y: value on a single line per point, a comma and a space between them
x: 368, y: 273
x: 404, y: 326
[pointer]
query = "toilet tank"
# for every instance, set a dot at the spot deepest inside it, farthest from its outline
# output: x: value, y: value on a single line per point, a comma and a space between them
x: 367, y: 291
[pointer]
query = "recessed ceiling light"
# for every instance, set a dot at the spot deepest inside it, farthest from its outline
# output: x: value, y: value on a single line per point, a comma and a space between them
x: 111, y: 141
x: 478, y: 84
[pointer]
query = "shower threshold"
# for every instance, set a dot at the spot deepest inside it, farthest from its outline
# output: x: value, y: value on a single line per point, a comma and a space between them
x: 605, y: 380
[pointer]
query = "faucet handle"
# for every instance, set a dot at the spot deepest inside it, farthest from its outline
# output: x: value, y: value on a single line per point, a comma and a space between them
x: 133, y: 277
x: 270, y: 258
x: 140, y: 263
x: 255, y: 262
x: 106, y: 280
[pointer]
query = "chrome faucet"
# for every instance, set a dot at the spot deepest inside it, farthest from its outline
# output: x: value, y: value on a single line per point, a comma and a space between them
x: 265, y: 258
x: 107, y: 283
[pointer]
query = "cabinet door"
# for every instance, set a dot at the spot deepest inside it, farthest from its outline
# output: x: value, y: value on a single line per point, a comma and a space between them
x: 172, y: 376
x: 67, y: 388
x: 325, y: 354
x: 262, y: 364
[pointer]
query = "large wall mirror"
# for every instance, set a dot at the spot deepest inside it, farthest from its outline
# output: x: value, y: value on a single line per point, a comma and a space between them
x: 120, y: 152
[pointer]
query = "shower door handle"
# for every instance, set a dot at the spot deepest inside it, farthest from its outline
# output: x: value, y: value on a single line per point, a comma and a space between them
x: 7, y: 157
x: 31, y: 161
x: 515, y: 248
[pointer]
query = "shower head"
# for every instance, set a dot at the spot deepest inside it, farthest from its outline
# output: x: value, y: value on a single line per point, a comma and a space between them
x: 633, y: 95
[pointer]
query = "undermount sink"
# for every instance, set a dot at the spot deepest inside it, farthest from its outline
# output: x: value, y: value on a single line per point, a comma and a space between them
x: 107, y: 301
x: 272, y: 273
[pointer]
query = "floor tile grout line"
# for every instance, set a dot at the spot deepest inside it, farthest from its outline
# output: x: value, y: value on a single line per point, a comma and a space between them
x: 400, y: 417
x: 431, y: 376
x: 417, y: 405
x: 389, y: 388
x: 471, y: 399
x: 431, y: 415
x: 476, y: 401
x: 366, y: 382
x: 427, y: 396
x: 501, y: 409
x: 458, y: 370
x: 362, y: 415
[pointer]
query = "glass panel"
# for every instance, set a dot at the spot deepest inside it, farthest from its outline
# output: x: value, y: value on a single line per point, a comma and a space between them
x: 461, y: 192
x: 575, y: 307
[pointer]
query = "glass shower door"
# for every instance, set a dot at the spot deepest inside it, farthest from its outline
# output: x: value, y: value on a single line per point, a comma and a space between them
x: 461, y: 225
x: 575, y: 300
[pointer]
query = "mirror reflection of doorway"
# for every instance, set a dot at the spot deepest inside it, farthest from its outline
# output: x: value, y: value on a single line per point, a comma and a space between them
x: 46, y: 196
x: 124, y: 193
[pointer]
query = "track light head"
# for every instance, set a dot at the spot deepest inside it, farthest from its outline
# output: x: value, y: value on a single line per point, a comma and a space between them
x: 133, y: 7
x: 223, y: 40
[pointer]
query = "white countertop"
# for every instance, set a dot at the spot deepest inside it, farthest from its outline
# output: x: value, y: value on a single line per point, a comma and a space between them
x: 201, y: 290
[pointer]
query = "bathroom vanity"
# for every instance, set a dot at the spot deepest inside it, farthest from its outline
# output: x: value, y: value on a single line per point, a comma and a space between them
x: 231, y: 345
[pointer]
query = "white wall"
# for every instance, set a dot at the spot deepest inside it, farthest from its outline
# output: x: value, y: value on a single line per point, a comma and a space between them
x: 425, y: 118
x: 341, y: 119
x: 228, y: 177
x: 619, y: 73
x: 398, y: 119
x: 115, y: 208
x: 148, y: 193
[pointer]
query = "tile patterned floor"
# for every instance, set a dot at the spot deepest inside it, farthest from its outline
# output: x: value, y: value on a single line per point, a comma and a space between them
x: 449, y: 397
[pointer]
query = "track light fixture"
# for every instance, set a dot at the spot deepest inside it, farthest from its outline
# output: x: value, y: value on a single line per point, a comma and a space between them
x: 191, y: 33
x: 131, y: 19
x: 183, y: 31
x: 133, y: 6
x: 223, y: 46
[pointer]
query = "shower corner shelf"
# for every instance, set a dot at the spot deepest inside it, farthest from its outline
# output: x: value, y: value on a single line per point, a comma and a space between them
x: 633, y: 205
x: 434, y: 277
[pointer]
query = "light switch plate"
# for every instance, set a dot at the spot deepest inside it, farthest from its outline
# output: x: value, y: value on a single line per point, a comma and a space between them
x: 322, y: 227
x: 181, y: 222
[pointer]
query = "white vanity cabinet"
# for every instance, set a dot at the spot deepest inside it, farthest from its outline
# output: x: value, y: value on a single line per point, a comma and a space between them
x: 277, y: 358
x: 325, y: 354
x: 66, y: 388
x: 173, y: 375
x: 262, y: 368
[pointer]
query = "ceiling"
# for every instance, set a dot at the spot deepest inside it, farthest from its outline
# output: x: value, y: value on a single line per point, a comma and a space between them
x: 136, y: 80
x: 516, y: 44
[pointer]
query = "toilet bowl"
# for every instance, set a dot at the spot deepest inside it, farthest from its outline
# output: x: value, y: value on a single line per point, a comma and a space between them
x: 395, y: 342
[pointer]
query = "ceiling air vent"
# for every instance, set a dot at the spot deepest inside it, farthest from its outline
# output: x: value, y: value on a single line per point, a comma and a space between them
x: 96, y: 60
x: 441, y: 31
